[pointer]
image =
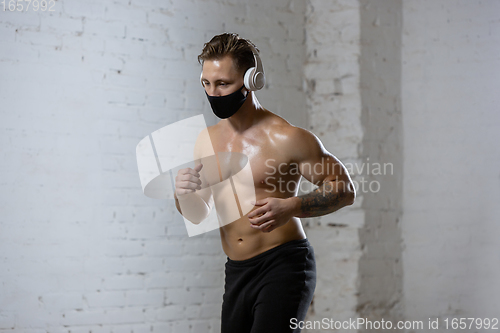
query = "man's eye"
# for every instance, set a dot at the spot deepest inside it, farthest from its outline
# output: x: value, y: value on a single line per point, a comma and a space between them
x: 222, y: 84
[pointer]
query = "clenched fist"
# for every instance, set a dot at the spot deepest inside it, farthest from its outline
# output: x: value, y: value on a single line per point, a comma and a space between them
x: 188, y: 180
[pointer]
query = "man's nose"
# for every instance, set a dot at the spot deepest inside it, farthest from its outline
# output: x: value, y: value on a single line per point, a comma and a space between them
x: 212, y: 91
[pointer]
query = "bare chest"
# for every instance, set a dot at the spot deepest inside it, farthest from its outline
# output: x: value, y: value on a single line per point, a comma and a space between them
x: 270, y: 164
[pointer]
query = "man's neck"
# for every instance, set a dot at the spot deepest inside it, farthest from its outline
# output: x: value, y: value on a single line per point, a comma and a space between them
x: 247, y: 115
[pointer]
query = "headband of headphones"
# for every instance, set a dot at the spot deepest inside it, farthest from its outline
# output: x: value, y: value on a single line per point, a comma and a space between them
x: 254, y: 78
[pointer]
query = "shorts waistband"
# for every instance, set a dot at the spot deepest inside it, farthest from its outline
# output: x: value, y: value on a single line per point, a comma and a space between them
x: 292, y: 243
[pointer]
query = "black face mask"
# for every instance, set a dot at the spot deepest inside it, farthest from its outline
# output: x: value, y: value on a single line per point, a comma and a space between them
x: 225, y: 106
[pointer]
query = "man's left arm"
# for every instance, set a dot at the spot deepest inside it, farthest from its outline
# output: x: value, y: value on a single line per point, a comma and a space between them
x: 335, y: 188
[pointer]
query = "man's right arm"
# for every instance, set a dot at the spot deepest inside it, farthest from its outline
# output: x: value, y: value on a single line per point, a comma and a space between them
x: 193, y: 202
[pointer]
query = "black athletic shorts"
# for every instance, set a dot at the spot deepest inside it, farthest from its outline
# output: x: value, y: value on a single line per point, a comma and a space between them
x: 264, y: 293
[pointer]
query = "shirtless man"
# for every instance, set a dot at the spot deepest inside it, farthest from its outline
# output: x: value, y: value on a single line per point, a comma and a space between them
x: 270, y: 270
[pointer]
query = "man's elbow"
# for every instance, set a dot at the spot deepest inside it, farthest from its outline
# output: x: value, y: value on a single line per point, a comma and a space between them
x: 349, y: 194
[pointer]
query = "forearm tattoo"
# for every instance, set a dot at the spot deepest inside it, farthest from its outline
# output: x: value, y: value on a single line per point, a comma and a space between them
x: 321, y: 201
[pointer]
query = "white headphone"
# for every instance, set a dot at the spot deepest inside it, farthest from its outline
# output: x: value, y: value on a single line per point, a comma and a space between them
x: 254, y: 78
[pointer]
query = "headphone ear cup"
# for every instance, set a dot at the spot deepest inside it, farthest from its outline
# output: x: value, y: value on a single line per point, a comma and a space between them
x: 248, y: 79
x: 259, y: 80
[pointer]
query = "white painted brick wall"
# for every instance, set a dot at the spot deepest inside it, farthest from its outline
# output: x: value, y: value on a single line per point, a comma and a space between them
x: 451, y: 119
x: 332, y: 77
x: 380, y: 267
x: 81, y: 248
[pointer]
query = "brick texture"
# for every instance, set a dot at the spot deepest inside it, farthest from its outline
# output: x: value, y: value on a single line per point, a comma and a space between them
x: 81, y: 248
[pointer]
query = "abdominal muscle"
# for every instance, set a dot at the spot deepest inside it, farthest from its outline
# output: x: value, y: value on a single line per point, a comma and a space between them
x: 240, y: 241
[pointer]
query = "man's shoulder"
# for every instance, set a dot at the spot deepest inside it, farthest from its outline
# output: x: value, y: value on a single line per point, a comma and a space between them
x: 294, y: 141
x: 278, y: 125
x: 203, y: 146
x: 290, y: 133
x: 212, y: 130
x: 207, y: 131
